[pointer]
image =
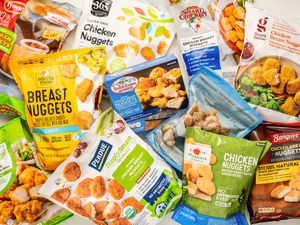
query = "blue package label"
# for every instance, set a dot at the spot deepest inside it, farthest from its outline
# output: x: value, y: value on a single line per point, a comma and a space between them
x: 100, y: 156
x: 187, y: 216
x: 148, y: 91
x: 158, y: 189
x: 201, y: 50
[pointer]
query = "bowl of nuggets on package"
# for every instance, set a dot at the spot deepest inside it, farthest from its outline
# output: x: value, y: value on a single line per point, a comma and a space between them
x: 231, y: 26
x: 22, y: 203
x: 271, y: 82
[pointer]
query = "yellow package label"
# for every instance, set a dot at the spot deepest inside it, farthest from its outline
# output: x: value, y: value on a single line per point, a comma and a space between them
x: 276, y: 172
x: 51, y: 34
x: 60, y: 92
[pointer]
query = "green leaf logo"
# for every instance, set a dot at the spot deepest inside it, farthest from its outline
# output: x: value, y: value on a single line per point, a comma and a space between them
x: 133, y: 21
x: 128, y: 12
x: 159, y: 31
x: 152, y: 13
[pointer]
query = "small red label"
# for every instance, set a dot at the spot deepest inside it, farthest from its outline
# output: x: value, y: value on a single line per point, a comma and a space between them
x: 15, y: 7
x: 192, y: 12
x: 285, y: 137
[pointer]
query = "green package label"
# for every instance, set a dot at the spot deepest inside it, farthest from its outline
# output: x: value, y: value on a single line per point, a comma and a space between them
x: 8, y: 164
x: 219, y: 171
x: 133, y: 167
x: 7, y: 40
x: 165, y: 195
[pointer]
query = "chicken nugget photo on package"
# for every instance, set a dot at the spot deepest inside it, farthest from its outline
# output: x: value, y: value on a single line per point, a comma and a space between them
x: 148, y: 93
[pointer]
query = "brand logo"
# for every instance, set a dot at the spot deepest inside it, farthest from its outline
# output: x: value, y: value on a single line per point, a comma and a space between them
x: 192, y: 15
x: 261, y: 26
x: 100, y: 156
x: 14, y: 7
x: 45, y: 79
x: 124, y: 85
x: 285, y: 137
x: 101, y: 8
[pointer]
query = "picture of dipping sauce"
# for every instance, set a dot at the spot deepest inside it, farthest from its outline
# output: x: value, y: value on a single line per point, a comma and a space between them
x: 248, y: 51
x: 35, y: 46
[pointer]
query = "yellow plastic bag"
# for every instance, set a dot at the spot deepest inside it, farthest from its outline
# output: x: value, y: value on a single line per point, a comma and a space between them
x: 61, y: 92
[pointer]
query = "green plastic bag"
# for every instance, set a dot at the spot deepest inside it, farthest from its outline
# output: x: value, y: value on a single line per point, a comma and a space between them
x: 16, y: 142
x: 218, y: 171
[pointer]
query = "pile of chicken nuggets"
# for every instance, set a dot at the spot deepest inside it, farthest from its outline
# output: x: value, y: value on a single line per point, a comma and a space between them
x: 283, y: 80
x: 99, y: 199
x: 233, y: 24
x: 199, y: 177
x: 21, y: 202
x: 162, y: 89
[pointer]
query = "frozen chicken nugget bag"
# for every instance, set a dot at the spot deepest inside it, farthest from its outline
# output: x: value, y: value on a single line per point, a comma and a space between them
x: 61, y: 91
x: 133, y: 32
x: 275, y: 194
x: 114, y: 177
x: 218, y: 172
x: 268, y: 76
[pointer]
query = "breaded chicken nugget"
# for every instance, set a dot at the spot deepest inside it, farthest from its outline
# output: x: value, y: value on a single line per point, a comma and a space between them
x: 157, y: 72
x: 115, y: 189
x: 239, y: 13
x: 206, y: 186
x: 148, y: 53
x: 83, y: 189
x: 40, y: 178
x: 27, y: 176
x: 240, y: 34
x: 112, y: 211
x: 271, y: 63
x: 226, y: 24
x: 271, y: 76
x: 287, y: 73
x: 98, y: 187
x: 232, y: 20
x: 100, y: 207
x: 131, y: 201
x: 256, y: 75
x: 233, y: 36
x: 71, y: 171
x: 293, y: 86
x: 74, y: 202
x: 120, y: 221
x: 229, y: 9
x: 279, y: 89
x: 83, y: 119
x: 289, y: 107
x: 84, y: 88
x: 297, y: 98
x: 205, y: 171
x: 61, y: 195
x: 89, y: 210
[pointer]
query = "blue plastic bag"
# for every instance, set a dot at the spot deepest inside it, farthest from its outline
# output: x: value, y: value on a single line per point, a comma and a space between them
x: 233, y: 116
